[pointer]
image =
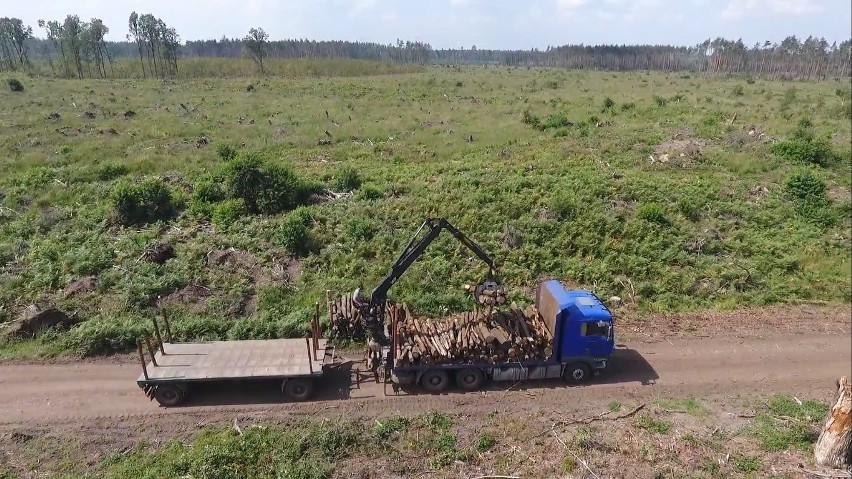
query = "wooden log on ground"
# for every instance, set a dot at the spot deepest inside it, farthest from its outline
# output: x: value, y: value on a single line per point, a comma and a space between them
x: 834, y: 446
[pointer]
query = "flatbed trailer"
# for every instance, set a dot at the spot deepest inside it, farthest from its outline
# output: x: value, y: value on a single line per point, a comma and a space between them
x: 172, y: 368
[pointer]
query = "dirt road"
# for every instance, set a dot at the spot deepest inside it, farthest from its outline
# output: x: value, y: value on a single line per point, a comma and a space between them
x: 795, y: 364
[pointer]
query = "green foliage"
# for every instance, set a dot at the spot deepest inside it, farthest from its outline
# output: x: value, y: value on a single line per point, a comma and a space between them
x: 101, y: 336
x: 347, y: 179
x: 564, y: 205
x: 653, y: 213
x: 786, y: 424
x: 292, y: 232
x: 532, y: 120
x: 788, y: 99
x: 111, y: 171
x: 745, y: 463
x: 226, y: 152
x: 608, y: 104
x: 389, y: 427
x: 306, y: 450
x: 228, y: 211
x: 805, y: 185
x: 144, y: 202
x: 485, y: 442
x: 652, y: 424
x: 360, y: 229
x: 555, y: 120
x: 15, y: 84
x: 265, y: 188
x: 660, y: 101
x: 628, y: 106
x: 370, y: 193
x: 738, y: 90
x: 614, y: 406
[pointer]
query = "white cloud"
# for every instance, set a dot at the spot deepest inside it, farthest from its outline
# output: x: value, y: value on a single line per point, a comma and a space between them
x: 738, y: 9
x: 570, y: 4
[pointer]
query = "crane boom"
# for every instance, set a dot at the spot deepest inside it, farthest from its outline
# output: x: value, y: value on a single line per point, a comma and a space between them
x: 372, y: 310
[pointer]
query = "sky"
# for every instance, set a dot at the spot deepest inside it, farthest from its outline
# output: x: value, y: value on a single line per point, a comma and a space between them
x: 497, y: 24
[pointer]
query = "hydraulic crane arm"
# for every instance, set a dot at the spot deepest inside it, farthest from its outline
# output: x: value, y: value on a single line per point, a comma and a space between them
x: 413, y: 250
x: 489, y: 291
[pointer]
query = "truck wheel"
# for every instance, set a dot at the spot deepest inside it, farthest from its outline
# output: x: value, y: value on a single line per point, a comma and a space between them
x: 435, y: 380
x: 470, y: 379
x: 577, y: 373
x: 298, y: 389
x: 169, y: 395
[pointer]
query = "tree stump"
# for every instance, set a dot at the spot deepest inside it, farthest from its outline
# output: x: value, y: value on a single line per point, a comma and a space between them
x: 834, y: 446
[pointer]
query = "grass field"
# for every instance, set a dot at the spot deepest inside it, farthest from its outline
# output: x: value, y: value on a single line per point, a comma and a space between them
x: 668, y: 190
x: 670, y: 438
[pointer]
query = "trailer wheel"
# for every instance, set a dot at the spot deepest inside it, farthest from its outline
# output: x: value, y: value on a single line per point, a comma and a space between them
x: 577, y: 373
x: 298, y: 389
x: 435, y: 380
x: 470, y: 379
x: 169, y: 395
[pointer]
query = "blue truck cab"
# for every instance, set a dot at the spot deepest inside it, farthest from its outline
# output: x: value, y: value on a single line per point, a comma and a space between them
x: 582, y: 329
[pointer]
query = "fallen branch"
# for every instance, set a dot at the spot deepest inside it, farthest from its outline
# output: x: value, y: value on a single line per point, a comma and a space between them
x: 582, y: 461
x: 827, y: 475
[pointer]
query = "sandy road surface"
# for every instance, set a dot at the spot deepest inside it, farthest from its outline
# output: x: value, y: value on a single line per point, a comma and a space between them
x: 789, y: 364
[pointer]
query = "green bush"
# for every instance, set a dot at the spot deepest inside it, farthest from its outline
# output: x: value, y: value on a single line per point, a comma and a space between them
x: 555, y: 120
x: 292, y: 232
x: 804, y: 185
x: 145, y: 202
x: 738, y: 90
x: 608, y: 104
x: 564, y: 205
x: 111, y: 171
x: 532, y: 120
x: 628, y: 106
x: 208, y: 191
x: 102, y: 336
x: 360, y: 229
x: 15, y: 84
x: 801, y: 150
x: 370, y: 193
x: 660, y: 101
x: 265, y: 189
x: 226, y: 152
x: 653, y: 213
x: 227, y: 212
x: 347, y: 179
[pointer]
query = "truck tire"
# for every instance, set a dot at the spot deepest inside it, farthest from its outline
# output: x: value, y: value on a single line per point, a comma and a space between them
x: 403, y: 379
x: 577, y: 373
x: 435, y: 380
x: 169, y: 395
x: 298, y: 389
x: 470, y: 379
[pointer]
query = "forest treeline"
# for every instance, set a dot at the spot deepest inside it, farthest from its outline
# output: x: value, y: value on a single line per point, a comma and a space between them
x: 76, y: 48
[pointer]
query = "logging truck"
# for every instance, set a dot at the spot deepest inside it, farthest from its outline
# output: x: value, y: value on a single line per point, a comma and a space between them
x: 579, y: 334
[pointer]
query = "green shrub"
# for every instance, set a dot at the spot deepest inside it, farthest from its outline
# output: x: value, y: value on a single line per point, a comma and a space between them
x: 227, y: 212
x: 102, y: 336
x: 608, y: 104
x: 804, y: 185
x: 564, y: 205
x: 788, y: 99
x: 384, y: 429
x: 652, y: 425
x: 628, y: 106
x: 370, y: 193
x: 738, y: 90
x: 265, y: 189
x: 208, y: 191
x: 801, y: 150
x: 485, y: 442
x: 360, y: 229
x: 746, y: 464
x: 555, y: 120
x: 750, y: 80
x: 226, y: 152
x: 531, y: 120
x: 653, y: 213
x: 15, y: 84
x: 111, y: 171
x: 145, y: 202
x: 292, y: 232
x: 660, y: 101
x: 347, y: 179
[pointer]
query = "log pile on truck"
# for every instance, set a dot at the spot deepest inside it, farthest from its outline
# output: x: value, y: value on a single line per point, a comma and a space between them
x: 481, y: 336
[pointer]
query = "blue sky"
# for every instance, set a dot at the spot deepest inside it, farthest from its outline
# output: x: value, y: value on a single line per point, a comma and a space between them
x: 499, y: 24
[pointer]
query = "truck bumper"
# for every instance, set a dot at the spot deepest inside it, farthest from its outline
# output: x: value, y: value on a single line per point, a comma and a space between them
x: 598, y: 364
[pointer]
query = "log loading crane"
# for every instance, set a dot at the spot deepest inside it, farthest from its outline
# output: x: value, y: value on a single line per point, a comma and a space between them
x: 372, y: 310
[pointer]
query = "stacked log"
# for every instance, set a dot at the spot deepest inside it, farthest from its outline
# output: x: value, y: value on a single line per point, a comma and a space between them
x: 481, y: 336
x: 344, y: 318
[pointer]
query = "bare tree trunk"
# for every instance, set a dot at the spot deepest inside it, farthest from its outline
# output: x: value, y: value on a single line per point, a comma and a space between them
x: 834, y: 446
